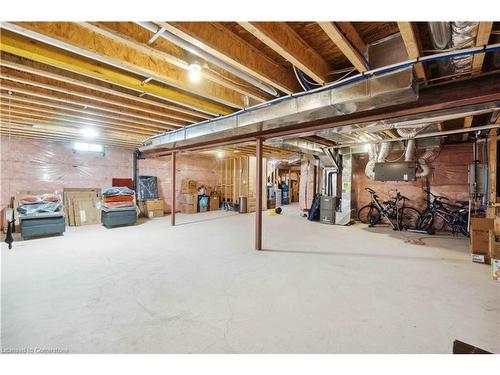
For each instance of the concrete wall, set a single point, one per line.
(33, 165)
(448, 177)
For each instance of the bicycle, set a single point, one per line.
(404, 217)
(457, 219)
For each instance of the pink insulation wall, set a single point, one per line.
(204, 170)
(448, 177)
(34, 165)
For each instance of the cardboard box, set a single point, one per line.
(86, 212)
(495, 269)
(73, 212)
(152, 208)
(480, 239)
(494, 248)
(213, 203)
(496, 227)
(188, 198)
(188, 186)
(186, 208)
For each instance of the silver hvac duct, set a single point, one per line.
(453, 35)
(297, 144)
(378, 91)
(206, 56)
(372, 158)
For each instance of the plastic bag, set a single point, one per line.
(39, 208)
(118, 191)
(148, 187)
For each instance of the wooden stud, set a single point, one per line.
(286, 42)
(348, 49)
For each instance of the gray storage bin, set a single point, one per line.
(119, 217)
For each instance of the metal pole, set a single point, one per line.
(258, 194)
(172, 196)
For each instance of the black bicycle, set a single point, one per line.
(441, 215)
(395, 211)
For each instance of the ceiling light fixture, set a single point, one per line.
(89, 132)
(220, 154)
(194, 72)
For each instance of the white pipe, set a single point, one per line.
(206, 56)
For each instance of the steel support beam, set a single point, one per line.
(258, 193)
(172, 196)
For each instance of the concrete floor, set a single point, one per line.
(201, 288)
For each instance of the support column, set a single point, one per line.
(492, 173)
(258, 194)
(172, 197)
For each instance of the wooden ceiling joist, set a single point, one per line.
(7, 107)
(53, 96)
(176, 61)
(345, 45)
(286, 42)
(133, 102)
(32, 118)
(217, 40)
(483, 35)
(409, 33)
(58, 109)
(9, 127)
(47, 54)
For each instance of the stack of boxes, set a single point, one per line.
(149, 202)
(188, 198)
(485, 243)
(494, 242)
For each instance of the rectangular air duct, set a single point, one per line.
(366, 94)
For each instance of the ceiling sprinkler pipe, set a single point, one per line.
(208, 57)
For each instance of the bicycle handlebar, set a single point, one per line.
(439, 197)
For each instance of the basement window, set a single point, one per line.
(88, 147)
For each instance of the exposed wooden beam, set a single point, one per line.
(345, 45)
(286, 42)
(173, 112)
(14, 88)
(243, 88)
(47, 54)
(230, 48)
(483, 35)
(467, 124)
(411, 40)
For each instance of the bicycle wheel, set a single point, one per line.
(425, 221)
(408, 218)
(367, 213)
